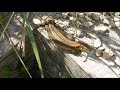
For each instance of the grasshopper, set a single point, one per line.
(55, 34)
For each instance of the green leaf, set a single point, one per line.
(33, 43)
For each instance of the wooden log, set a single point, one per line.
(58, 62)
(55, 63)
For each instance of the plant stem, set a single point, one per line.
(6, 26)
(76, 24)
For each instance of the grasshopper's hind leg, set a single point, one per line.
(88, 54)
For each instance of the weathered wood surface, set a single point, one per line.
(55, 63)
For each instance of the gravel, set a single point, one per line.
(94, 26)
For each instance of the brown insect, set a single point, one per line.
(60, 39)
(55, 34)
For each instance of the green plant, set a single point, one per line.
(66, 75)
(76, 24)
(4, 31)
(6, 71)
(29, 29)
(22, 72)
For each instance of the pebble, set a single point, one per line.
(116, 19)
(86, 40)
(92, 35)
(65, 15)
(71, 30)
(63, 27)
(62, 24)
(72, 18)
(50, 14)
(79, 33)
(20, 18)
(72, 13)
(58, 15)
(36, 21)
(74, 24)
(104, 13)
(112, 24)
(97, 43)
(88, 13)
(98, 52)
(70, 36)
(87, 24)
(111, 63)
(104, 19)
(117, 14)
(115, 35)
(104, 46)
(81, 20)
(110, 53)
(114, 46)
(66, 23)
(81, 15)
(101, 48)
(44, 17)
(107, 54)
(58, 21)
(117, 24)
(100, 28)
(95, 16)
(97, 13)
(117, 61)
(87, 18)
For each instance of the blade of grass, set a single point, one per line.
(33, 43)
(76, 24)
(6, 26)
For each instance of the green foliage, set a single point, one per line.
(6, 71)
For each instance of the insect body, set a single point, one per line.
(55, 34)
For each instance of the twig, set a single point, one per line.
(6, 26)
